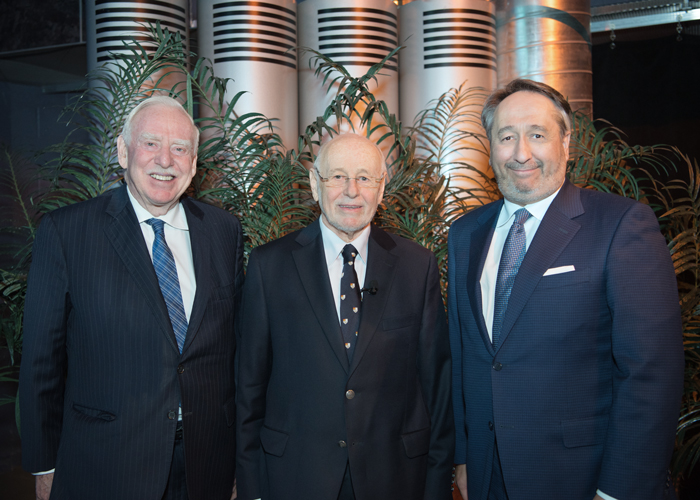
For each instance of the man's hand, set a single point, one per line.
(234, 493)
(461, 479)
(598, 497)
(43, 486)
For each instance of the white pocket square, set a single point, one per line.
(558, 270)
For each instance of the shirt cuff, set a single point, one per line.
(43, 473)
(604, 496)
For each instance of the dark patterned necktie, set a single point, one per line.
(350, 300)
(511, 258)
(164, 264)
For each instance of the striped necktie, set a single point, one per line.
(511, 258)
(164, 264)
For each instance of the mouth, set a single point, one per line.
(522, 168)
(350, 207)
(159, 177)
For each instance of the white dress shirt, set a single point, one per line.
(333, 247)
(493, 258)
(177, 236)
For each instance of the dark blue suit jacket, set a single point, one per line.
(584, 390)
(101, 375)
(297, 427)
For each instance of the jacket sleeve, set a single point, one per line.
(254, 364)
(435, 373)
(647, 351)
(42, 371)
(460, 456)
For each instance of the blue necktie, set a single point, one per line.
(164, 264)
(511, 258)
(350, 299)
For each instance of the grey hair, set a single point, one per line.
(523, 85)
(323, 152)
(159, 100)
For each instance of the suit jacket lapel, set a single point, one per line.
(479, 249)
(201, 247)
(310, 260)
(125, 235)
(555, 232)
(381, 268)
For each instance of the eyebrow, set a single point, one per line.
(511, 128)
(153, 137)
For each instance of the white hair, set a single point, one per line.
(159, 100)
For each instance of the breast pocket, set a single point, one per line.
(397, 322)
(565, 279)
(223, 292)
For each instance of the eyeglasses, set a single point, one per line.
(362, 181)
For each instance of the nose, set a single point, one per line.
(164, 158)
(523, 152)
(350, 189)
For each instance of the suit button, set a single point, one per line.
(180, 369)
(342, 444)
(497, 366)
(172, 414)
(350, 394)
(490, 426)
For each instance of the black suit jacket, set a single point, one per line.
(584, 389)
(298, 425)
(101, 375)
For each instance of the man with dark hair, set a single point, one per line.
(126, 383)
(344, 388)
(564, 325)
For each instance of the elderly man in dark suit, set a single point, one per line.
(127, 376)
(344, 370)
(564, 325)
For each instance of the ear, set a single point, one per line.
(194, 165)
(565, 143)
(122, 151)
(313, 181)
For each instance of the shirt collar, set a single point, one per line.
(537, 209)
(333, 244)
(175, 217)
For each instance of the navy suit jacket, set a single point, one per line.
(297, 427)
(101, 375)
(584, 390)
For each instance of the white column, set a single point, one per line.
(354, 33)
(254, 44)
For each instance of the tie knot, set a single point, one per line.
(349, 253)
(521, 216)
(157, 225)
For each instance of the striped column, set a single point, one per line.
(110, 23)
(354, 33)
(113, 22)
(254, 44)
(449, 43)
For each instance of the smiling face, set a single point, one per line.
(349, 209)
(160, 158)
(528, 151)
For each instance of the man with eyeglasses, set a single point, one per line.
(344, 374)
